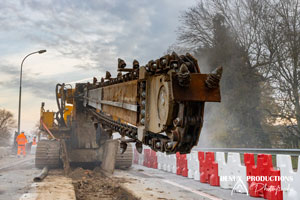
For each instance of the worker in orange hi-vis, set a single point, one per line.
(21, 140)
(34, 141)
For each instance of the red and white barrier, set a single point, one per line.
(141, 158)
(254, 179)
(232, 172)
(181, 164)
(135, 156)
(150, 159)
(193, 166)
(263, 187)
(290, 188)
(171, 163)
(165, 163)
(160, 159)
(208, 168)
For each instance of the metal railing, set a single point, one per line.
(292, 152)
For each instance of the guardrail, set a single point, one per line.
(292, 152)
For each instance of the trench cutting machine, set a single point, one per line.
(160, 105)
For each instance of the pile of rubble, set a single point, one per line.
(92, 185)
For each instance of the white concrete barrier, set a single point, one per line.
(196, 165)
(169, 164)
(190, 166)
(165, 162)
(193, 166)
(160, 160)
(141, 158)
(232, 174)
(290, 188)
(172, 162)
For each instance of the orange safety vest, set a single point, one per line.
(21, 139)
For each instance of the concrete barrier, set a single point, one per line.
(290, 188)
(232, 172)
(193, 166)
(238, 175)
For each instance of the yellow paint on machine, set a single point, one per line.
(68, 112)
(48, 118)
(124, 93)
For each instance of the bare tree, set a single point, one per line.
(268, 33)
(246, 20)
(282, 44)
(7, 122)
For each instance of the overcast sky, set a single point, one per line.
(83, 39)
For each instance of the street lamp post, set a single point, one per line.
(20, 90)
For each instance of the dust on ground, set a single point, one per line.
(93, 184)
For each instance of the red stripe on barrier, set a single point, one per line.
(178, 164)
(153, 159)
(258, 187)
(208, 169)
(146, 157)
(263, 180)
(181, 164)
(135, 156)
(150, 158)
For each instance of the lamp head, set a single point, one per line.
(42, 51)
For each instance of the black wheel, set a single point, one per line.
(47, 154)
(124, 161)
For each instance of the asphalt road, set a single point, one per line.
(149, 183)
(16, 175)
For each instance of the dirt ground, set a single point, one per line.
(92, 185)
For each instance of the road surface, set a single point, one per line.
(148, 183)
(16, 175)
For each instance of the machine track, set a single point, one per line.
(48, 154)
(124, 161)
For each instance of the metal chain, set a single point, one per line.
(174, 62)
